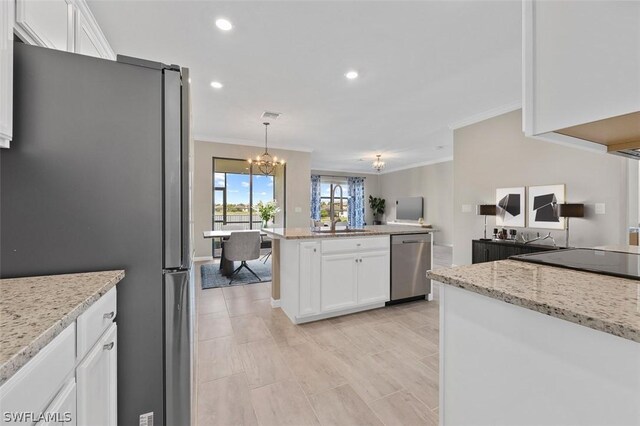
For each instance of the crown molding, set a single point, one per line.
(414, 165)
(248, 142)
(486, 115)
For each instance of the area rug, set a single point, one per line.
(212, 274)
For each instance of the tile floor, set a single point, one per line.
(254, 366)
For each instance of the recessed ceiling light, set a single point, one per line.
(216, 85)
(224, 24)
(351, 75)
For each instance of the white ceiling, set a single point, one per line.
(423, 66)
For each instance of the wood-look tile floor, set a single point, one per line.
(255, 367)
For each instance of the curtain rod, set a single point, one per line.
(334, 176)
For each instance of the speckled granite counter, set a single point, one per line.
(307, 233)
(34, 310)
(601, 302)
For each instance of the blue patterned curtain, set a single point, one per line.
(315, 197)
(356, 202)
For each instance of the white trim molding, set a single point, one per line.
(513, 106)
(275, 303)
(414, 165)
(95, 34)
(247, 142)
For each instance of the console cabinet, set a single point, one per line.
(490, 251)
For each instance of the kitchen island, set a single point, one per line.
(323, 274)
(522, 343)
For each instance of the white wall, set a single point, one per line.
(495, 154)
(370, 187)
(297, 185)
(432, 182)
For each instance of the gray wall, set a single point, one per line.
(297, 185)
(432, 182)
(370, 187)
(495, 153)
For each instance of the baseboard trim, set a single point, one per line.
(202, 258)
(275, 303)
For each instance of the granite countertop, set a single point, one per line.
(600, 302)
(308, 234)
(34, 310)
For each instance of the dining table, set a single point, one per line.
(227, 266)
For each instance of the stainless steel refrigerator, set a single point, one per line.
(97, 178)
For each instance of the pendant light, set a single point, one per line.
(266, 163)
(378, 164)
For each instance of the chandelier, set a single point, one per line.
(378, 164)
(266, 163)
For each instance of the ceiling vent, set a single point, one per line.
(267, 115)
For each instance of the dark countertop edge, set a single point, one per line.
(604, 326)
(325, 235)
(12, 365)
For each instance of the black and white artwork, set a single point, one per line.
(510, 210)
(543, 206)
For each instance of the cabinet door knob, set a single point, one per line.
(108, 347)
(314, 250)
(109, 315)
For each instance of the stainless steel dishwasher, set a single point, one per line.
(410, 260)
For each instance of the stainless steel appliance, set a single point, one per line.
(96, 179)
(617, 264)
(411, 258)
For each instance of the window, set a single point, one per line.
(237, 191)
(325, 198)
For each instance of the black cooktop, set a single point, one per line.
(618, 264)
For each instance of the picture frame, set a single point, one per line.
(543, 207)
(510, 207)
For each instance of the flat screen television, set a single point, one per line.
(409, 208)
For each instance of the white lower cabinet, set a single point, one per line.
(63, 408)
(97, 386)
(309, 297)
(63, 386)
(325, 278)
(339, 281)
(373, 277)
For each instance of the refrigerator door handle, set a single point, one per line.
(186, 145)
(178, 336)
(172, 170)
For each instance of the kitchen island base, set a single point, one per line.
(502, 364)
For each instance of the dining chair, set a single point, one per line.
(242, 246)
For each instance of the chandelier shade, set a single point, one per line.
(378, 164)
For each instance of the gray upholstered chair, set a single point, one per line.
(242, 246)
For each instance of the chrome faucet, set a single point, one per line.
(332, 212)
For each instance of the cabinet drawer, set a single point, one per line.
(355, 244)
(35, 385)
(96, 319)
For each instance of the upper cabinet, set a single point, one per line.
(582, 65)
(46, 23)
(65, 25)
(6, 72)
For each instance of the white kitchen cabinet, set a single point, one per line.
(6, 72)
(63, 407)
(581, 63)
(97, 382)
(46, 23)
(373, 277)
(325, 278)
(88, 36)
(339, 281)
(309, 278)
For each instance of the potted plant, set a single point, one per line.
(267, 212)
(377, 205)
